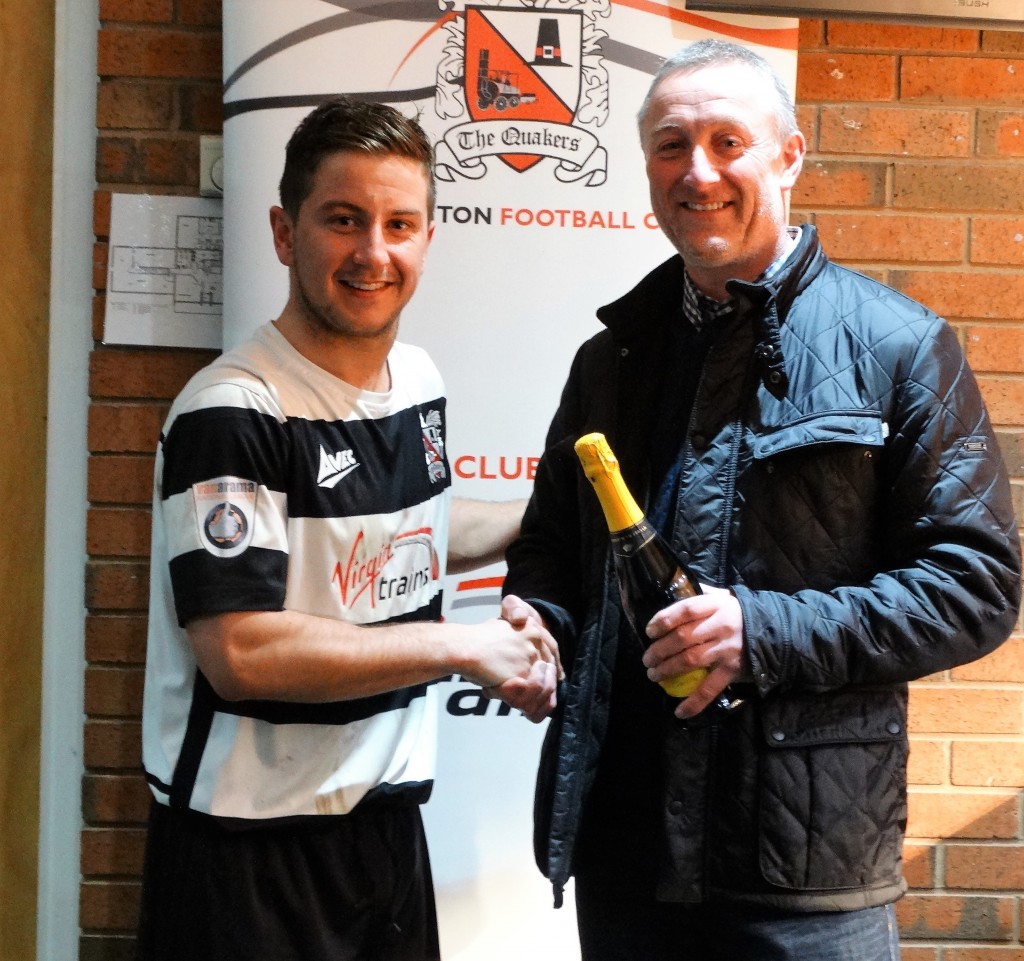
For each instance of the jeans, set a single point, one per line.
(623, 930)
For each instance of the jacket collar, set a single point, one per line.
(656, 299)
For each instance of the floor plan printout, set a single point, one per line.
(165, 271)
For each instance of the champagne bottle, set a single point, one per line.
(650, 574)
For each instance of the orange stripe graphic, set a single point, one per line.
(479, 583)
(422, 40)
(783, 38)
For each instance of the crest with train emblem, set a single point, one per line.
(527, 78)
(432, 427)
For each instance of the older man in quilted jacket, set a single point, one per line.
(815, 445)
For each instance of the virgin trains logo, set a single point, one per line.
(375, 575)
(524, 80)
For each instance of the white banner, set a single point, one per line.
(543, 215)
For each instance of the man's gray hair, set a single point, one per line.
(717, 53)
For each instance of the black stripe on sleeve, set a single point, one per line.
(255, 580)
(224, 442)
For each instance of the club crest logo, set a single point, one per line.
(226, 526)
(433, 445)
(527, 79)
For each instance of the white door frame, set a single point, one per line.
(63, 664)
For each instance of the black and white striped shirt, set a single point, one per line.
(279, 486)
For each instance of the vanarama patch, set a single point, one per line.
(226, 513)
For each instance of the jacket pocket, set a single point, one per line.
(833, 804)
(805, 495)
(864, 427)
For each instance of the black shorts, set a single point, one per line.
(355, 887)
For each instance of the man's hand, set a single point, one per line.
(534, 694)
(703, 631)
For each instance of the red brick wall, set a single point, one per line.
(159, 65)
(914, 174)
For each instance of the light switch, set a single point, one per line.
(211, 166)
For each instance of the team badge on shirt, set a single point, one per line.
(433, 445)
(226, 514)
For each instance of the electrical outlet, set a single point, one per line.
(211, 166)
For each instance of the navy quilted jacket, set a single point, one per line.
(841, 475)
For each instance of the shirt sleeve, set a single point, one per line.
(222, 465)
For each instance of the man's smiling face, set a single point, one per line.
(357, 247)
(719, 175)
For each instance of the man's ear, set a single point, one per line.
(283, 230)
(793, 151)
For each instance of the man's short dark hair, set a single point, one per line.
(346, 123)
